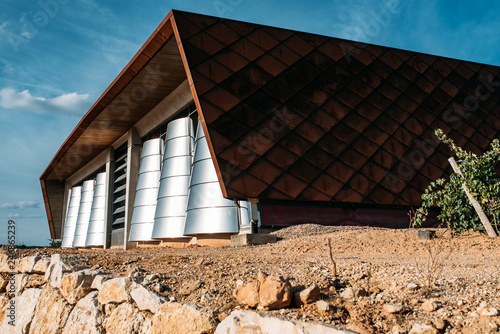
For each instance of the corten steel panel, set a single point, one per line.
(299, 116)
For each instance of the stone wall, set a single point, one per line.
(56, 294)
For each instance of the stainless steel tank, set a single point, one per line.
(207, 210)
(97, 220)
(170, 215)
(82, 222)
(147, 191)
(71, 217)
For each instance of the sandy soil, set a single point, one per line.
(378, 265)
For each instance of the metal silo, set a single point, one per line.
(170, 215)
(71, 217)
(82, 222)
(147, 191)
(207, 210)
(97, 220)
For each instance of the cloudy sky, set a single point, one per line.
(58, 56)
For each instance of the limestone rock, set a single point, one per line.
(51, 312)
(7, 266)
(307, 296)
(25, 309)
(353, 292)
(439, 324)
(487, 311)
(392, 308)
(323, 306)
(429, 306)
(145, 299)
(3, 284)
(4, 301)
(97, 282)
(248, 294)
(60, 264)
(412, 287)
(275, 292)
(423, 329)
(243, 321)
(173, 318)
(34, 281)
(41, 265)
(115, 290)
(86, 316)
(76, 285)
(189, 287)
(125, 319)
(20, 282)
(26, 264)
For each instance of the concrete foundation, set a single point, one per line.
(252, 239)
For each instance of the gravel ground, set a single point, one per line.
(387, 280)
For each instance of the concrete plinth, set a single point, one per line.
(252, 239)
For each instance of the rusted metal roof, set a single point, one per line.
(296, 116)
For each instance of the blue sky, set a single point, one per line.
(58, 56)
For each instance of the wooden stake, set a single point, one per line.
(482, 216)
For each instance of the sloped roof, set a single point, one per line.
(296, 116)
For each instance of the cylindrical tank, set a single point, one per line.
(170, 215)
(146, 194)
(71, 217)
(207, 210)
(97, 220)
(82, 222)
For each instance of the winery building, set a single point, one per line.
(218, 127)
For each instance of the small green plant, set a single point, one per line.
(55, 243)
(480, 178)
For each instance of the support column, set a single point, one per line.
(108, 220)
(254, 214)
(133, 160)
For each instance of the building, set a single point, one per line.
(305, 128)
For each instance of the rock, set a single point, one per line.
(34, 281)
(125, 319)
(275, 292)
(20, 282)
(396, 329)
(76, 285)
(42, 265)
(429, 306)
(174, 318)
(423, 329)
(248, 294)
(159, 288)
(26, 264)
(392, 308)
(97, 282)
(86, 316)
(323, 306)
(4, 302)
(115, 290)
(206, 298)
(189, 287)
(412, 287)
(307, 296)
(353, 292)
(60, 264)
(145, 299)
(487, 311)
(3, 284)
(7, 266)
(25, 309)
(152, 277)
(439, 324)
(52, 312)
(243, 321)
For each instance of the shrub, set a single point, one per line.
(481, 179)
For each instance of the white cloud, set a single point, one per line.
(2, 28)
(18, 216)
(71, 103)
(21, 205)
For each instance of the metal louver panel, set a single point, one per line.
(82, 223)
(71, 217)
(96, 230)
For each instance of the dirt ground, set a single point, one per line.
(459, 275)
